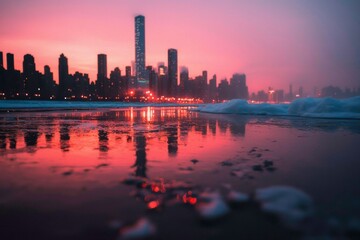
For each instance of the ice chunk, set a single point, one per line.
(141, 229)
(354, 225)
(213, 210)
(290, 204)
(214, 207)
(238, 197)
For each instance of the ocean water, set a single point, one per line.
(174, 172)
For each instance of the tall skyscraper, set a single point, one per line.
(184, 82)
(212, 88)
(238, 86)
(10, 62)
(63, 76)
(173, 72)
(140, 49)
(28, 65)
(29, 73)
(102, 83)
(1, 60)
(102, 66)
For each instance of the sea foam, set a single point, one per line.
(303, 107)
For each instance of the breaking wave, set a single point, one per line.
(304, 107)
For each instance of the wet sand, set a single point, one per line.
(88, 174)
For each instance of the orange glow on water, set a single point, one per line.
(158, 187)
(188, 198)
(153, 204)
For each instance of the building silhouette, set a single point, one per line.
(213, 89)
(1, 60)
(184, 82)
(140, 51)
(10, 62)
(30, 77)
(238, 88)
(63, 77)
(116, 88)
(102, 83)
(172, 72)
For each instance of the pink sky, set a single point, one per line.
(275, 43)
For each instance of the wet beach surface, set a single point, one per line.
(173, 173)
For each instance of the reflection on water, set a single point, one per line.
(48, 156)
(129, 124)
(140, 162)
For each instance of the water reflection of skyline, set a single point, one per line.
(133, 124)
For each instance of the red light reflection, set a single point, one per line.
(188, 198)
(153, 204)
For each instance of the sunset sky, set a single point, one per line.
(274, 42)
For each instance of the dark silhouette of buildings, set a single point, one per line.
(63, 78)
(102, 83)
(140, 162)
(224, 90)
(140, 50)
(1, 60)
(162, 80)
(10, 62)
(173, 72)
(238, 88)
(184, 82)
(213, 96)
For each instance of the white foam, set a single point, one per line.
(214, 208)
(141, 229)
(304, 107)
(237, 197)
(290, 204)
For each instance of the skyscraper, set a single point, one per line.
(184, 82)
(102, 85)
(1, 60)
(10, 62)
(102, 66)
(140, 49)
(238, 86)
(63, 76)
(29, 73)
(173, 72)
(28, 65)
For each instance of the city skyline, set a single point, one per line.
(286, 42)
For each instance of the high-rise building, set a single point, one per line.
(128, 78)
(238, 87)
(173, 72)
(184, 82)
(102, 85)
(162, 80)
(29, 74)
(1, 60)
(10, 62)
(48, 84)
(116, 90)
(213, 89)
(102, 66)
(140, 49)
(28, 65)
(63, 76)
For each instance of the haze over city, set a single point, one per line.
(305, 43)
